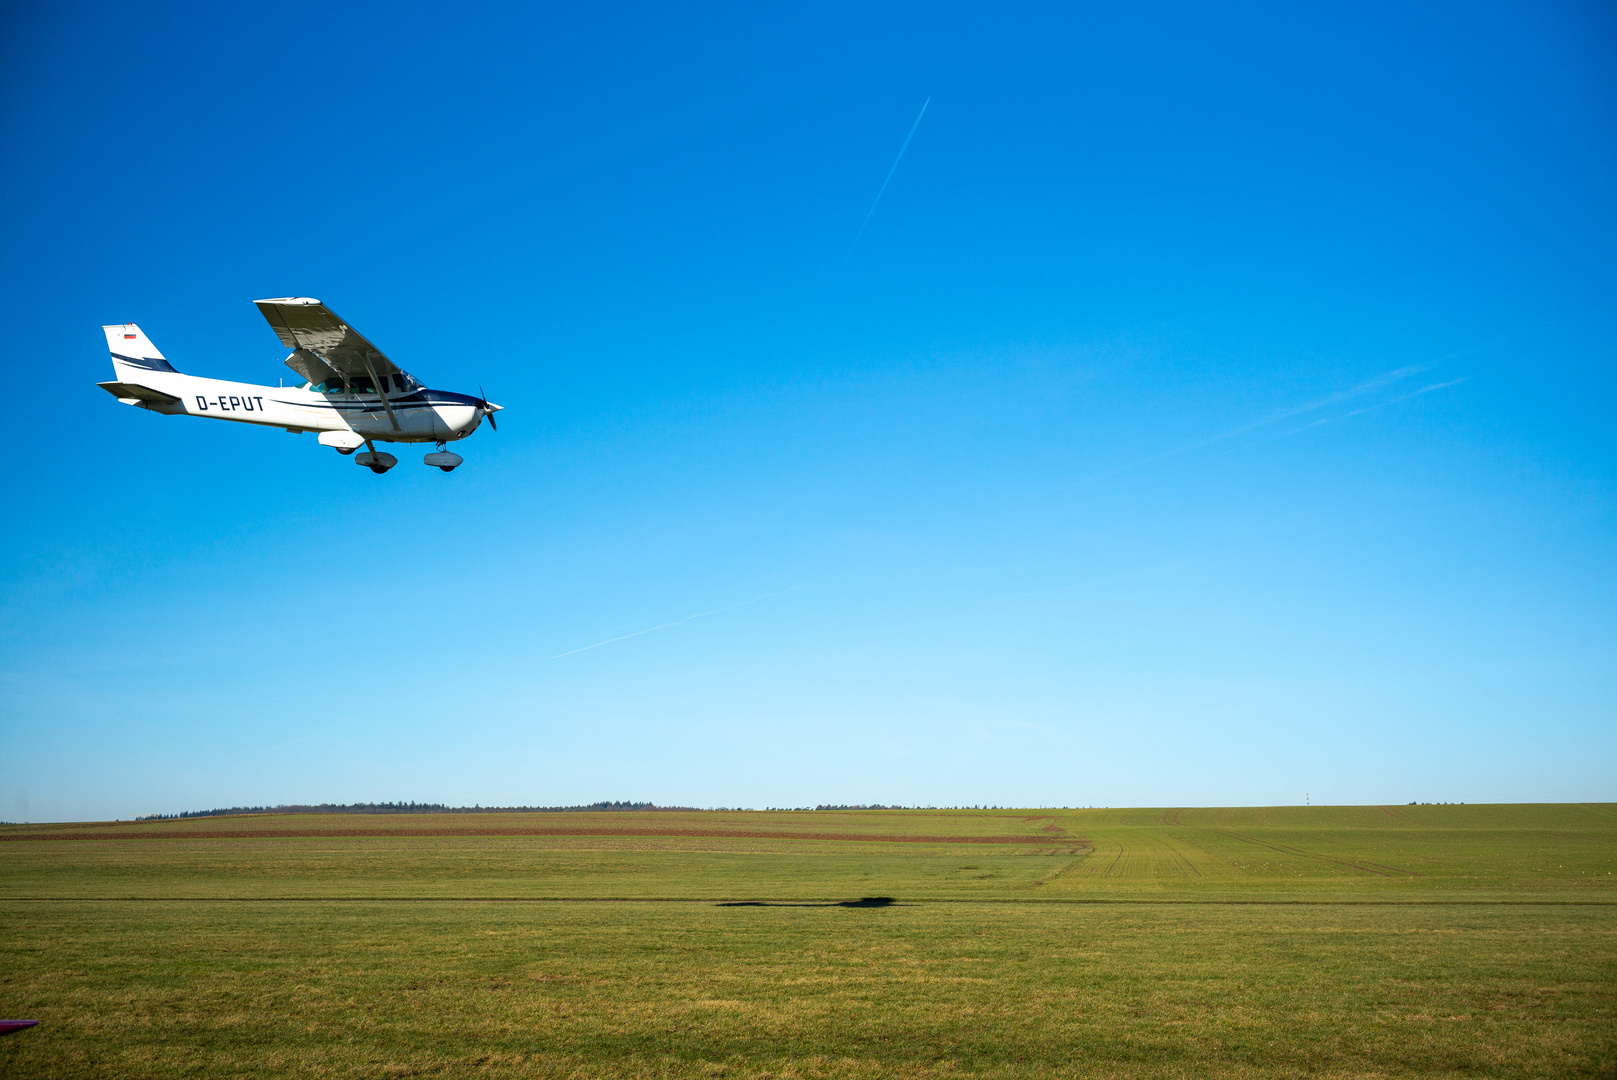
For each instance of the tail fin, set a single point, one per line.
(130, 347)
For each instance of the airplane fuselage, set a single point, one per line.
(422, 415)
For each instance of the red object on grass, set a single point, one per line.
(8, 1026)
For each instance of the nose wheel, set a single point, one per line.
(443, 459)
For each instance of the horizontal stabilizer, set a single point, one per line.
(125, 391)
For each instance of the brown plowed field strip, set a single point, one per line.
(749, 834)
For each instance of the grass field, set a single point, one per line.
(1333, 942)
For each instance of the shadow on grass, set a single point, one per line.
(863, 901)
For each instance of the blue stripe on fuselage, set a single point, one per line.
(152, 363)
(421, 399)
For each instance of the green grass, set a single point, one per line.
(1331, 942)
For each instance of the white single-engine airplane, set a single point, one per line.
(352, 394)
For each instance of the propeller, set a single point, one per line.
(487, 407)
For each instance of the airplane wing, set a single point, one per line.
(308, 325)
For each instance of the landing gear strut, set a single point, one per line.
(443, 459)
(375, 460)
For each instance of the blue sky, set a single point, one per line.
(1217, 409)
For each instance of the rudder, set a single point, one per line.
(130, 347)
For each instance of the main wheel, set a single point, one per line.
(378, 469)
(346, 450)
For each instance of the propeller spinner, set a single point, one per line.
(487, 408)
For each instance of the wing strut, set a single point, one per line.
(381, 392)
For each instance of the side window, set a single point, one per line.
(330, 386)
(400, 385)
(361, 384)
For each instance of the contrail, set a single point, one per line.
(1322, 421)
(1406, 397)
(1337, 398)
(676, 622)
(292, 742)
(889, 179)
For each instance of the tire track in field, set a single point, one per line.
(1169, 844)
(1051, 878)
(1113, 864)
(1217, 861)
(1369, 868)
(1142, 848)
(1171, 817)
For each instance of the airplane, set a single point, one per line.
(351, 394)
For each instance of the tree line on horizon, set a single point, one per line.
(442, 808)
(401, 808)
